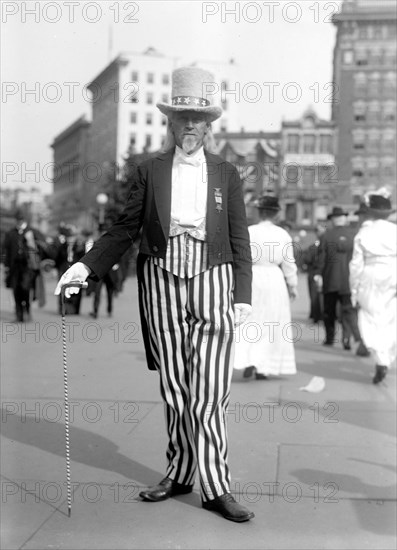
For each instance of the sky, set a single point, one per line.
(47, 45)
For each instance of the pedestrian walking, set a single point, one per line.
(335, 253)
(194, 280)
(263, 345)
(310, 266)
(24, 247)
(373, 281)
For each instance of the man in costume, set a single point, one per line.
(194, 277)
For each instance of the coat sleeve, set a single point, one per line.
(239, 241)
(109, 249)
(356, 265)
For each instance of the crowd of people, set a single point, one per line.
(28, 255)
(199, 269)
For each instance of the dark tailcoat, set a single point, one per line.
(149, 207)
(335, 253)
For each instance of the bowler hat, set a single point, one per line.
(267, 202)
(336, 211)
(187, 93)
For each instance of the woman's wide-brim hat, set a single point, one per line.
(189, 85)
(337, 211)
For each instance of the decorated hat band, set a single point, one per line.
(190, 100)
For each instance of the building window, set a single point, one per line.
(290, 212)
(389, 82)
(164, 98)
(348, 57)
(134, 98)
(359, 109)
(132, 139)
(361, 57)
(373, 139)
(378, 33)
(363, 31)
(389, 140)
(133, 117)
(374, 84)
(372, 170)
(223, 127)
(166, 79)
(149, 118)
(148, 141)
(358, 139)
(150, 78)
(149, 98)
(389, 111)
(376, 57)
(373, 112)
(164, 121)
(309, 143)
(293, 143)
(134, 76)
(360, 82)
(292, 174)
(358, 167)
(389, 58)
(326, 143)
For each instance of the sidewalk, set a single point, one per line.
(318, 470)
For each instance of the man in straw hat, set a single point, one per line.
(194, 278)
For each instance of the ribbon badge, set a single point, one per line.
(218, 198)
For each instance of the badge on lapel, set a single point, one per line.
(218, 198)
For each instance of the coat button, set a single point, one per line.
(155, 248)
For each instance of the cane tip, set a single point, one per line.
(69, 511)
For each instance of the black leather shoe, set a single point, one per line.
(165, 489)
(228, 508)
(260, 376)
(328, 343)
(346, 344)
(362, 350)
(380, 373)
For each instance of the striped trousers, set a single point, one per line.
(191, 323)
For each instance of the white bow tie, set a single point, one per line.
(182, 158)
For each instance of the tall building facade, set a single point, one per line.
(308, 173)
(364, 110)
(73, 174)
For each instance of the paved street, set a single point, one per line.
(318, 469)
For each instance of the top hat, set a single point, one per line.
(336, 211)
(378, 204)
(187, 93)
(267, 202)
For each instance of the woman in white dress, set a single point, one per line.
(373, 282)
(265, 343)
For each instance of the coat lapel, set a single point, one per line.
(216, 194)
(162, 182)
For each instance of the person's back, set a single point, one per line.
(337, 249)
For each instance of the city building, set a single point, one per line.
(308, 173)
(256, 157)
(364, 110)
(73, 176)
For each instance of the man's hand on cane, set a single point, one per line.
(77, 272)
(241, 313)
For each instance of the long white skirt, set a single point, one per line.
(266, 339)
(377, 314)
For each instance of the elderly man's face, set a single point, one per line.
(189, 129)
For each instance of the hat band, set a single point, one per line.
(190, 100)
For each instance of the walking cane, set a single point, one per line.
(65, 388)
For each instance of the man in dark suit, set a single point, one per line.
(24, 248)
(334, 254)
(194, 277)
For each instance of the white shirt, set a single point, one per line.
(189, 188)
